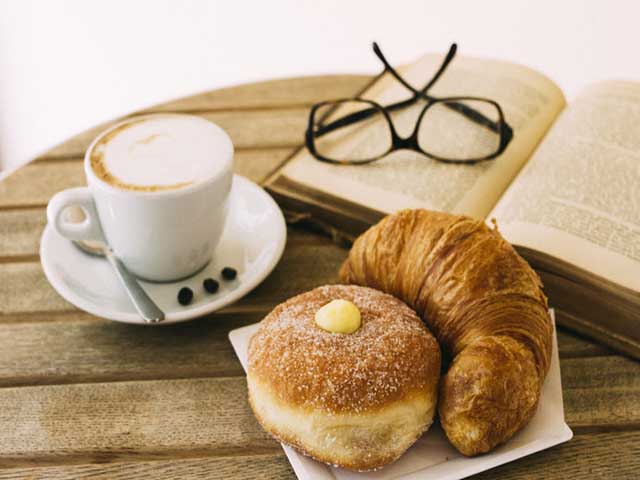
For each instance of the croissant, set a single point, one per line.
(483, 303)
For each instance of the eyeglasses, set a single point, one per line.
(457, 129)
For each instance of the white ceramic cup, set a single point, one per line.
(160, 235)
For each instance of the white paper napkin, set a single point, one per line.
(432, 456)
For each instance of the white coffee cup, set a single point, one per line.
(162, 224)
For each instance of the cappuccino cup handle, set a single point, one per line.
(64, 215)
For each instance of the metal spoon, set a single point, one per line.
(144, 305)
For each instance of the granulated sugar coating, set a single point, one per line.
(306, 366)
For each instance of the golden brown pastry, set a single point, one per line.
(357, 400)
(483, 303)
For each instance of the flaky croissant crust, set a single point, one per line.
(484, 304)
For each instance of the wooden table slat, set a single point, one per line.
(128, 419)
(586, 457)
(80, 349)
(270, 466)
(20, 232)
(604, 456)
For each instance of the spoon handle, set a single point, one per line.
(143, 303)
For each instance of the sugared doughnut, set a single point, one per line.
(356, 400)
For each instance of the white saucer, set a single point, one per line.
(253, 241)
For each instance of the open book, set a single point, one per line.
(566, 192)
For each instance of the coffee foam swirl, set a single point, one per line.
(164, 152)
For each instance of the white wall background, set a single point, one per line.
(67, 65)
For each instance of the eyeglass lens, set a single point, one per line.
(358, 141)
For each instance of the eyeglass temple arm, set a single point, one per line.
(475, 116)
(445, 63)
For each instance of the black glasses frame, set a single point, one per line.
(315, 130)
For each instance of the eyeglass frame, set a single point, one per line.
(500, 126)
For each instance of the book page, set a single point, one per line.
(406, 179)
(578, 198)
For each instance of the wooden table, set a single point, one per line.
(84, 397)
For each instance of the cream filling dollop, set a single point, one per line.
(339, 316)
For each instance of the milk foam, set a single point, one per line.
(162, 152)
